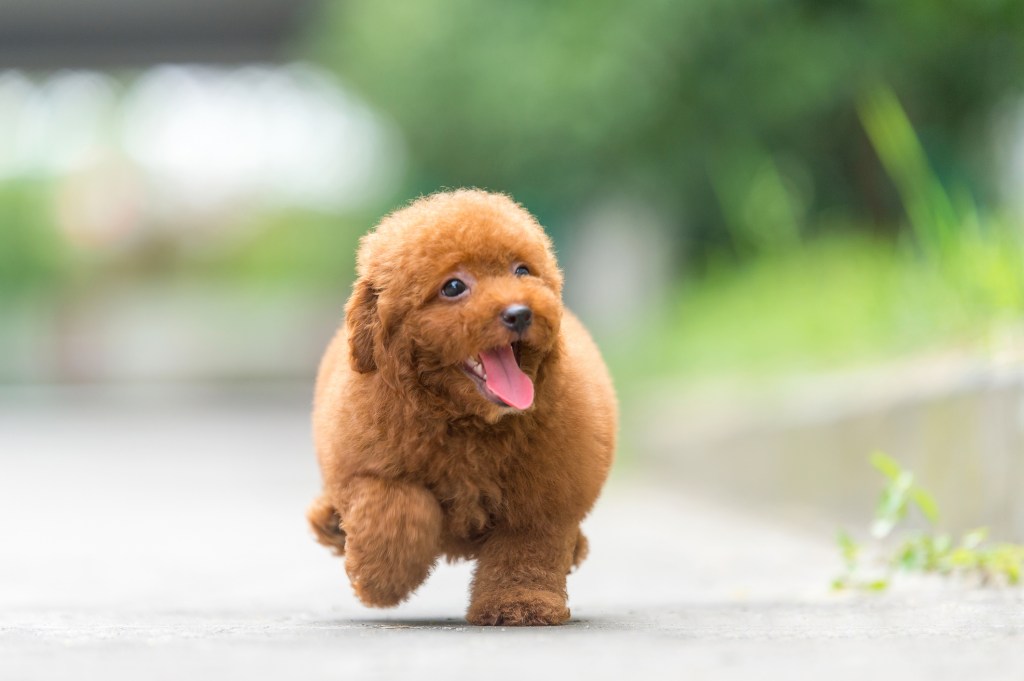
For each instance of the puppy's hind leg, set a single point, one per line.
(394, 539)
(326, 524)
(579, 554)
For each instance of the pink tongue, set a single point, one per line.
(505, 379)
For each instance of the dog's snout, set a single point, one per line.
(517, 317)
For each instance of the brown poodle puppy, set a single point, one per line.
(461, 411)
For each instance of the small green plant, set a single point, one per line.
(928, 551)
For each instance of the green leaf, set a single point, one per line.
(926, 502)
(848, 547)
(892, 506)
(965, 559)
(912, 554)
(886, 465)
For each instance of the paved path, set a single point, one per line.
(144, 538)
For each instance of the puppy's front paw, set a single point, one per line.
(517, 608)
(382, 575)
(380, 594)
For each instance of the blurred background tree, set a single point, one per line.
(736, 119)
(781, 185)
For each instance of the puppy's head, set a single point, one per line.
(458, 299)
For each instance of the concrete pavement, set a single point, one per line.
(163, 537)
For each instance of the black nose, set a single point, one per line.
(517, 317)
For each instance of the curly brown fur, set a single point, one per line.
(418, 459)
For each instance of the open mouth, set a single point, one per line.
(497, 374)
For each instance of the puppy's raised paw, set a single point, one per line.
(519, 608)
(326, 524)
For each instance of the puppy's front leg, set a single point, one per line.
(393, 534)
(520, 578)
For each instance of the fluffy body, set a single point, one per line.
(417, 462)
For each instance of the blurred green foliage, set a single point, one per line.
(32, 254)
(737, 119)
(832, 302)
(284, 246)
(825, 169)
(847, 297)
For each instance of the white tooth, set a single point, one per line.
(476, 367)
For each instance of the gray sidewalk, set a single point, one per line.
(153, 538)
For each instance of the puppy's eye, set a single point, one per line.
(453, 288)
(522, 271)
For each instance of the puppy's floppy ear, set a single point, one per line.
(364, 326)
